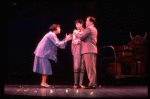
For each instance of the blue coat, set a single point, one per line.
(47, 47)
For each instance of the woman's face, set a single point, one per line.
(78, 26)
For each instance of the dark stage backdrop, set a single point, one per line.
(26, 22)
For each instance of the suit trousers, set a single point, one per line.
(90, 63)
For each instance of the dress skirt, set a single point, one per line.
(42, 66)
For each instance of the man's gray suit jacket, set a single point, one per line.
(89, 40)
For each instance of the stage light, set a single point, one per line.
(91, 93)
(51, 91)
(77, 91)
(66, 90)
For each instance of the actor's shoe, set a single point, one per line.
(75, 86)
(82, 86)
(45, 85)
(90, 87)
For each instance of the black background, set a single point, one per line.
(26, 22)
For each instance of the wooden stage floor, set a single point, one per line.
(67, 91)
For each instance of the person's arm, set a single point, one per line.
(68, 37)
(84, 35)
(55, 40)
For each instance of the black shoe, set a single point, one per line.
(90, 87)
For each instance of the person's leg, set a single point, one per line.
(77, 62)
(82, 70)
(90, 62)
(43, 83)
(44, 78)
(76, 71)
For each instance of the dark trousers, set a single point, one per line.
(90, 63)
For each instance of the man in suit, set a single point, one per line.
(89, 50)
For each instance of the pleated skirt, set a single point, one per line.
(42, 66)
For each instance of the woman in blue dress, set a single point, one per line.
(46, 51)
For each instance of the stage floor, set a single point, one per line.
(67, 91)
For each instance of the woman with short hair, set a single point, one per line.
(46, 52)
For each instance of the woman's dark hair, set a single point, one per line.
(54, 27)
(91, 19)
(79, 21)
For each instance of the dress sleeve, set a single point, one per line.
(56, 41)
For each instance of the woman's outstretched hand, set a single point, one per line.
(68, 37)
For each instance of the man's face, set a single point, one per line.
(88, 22)
(58, 30)
(78, 25)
